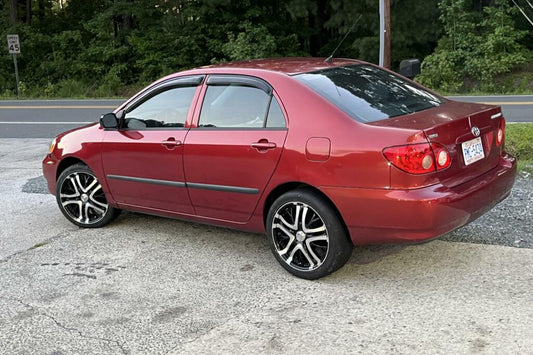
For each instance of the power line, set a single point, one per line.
(522, 11)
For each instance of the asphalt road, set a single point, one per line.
(150, 285)
(47, 118)
(516, 108)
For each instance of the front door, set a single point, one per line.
(143, 161)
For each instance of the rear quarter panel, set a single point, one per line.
(356, 158)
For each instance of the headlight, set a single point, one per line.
(52, 146)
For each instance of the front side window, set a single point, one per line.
(239, 106)
(164, 110)
(369, 94)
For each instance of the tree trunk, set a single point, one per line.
(40, 9)
(13, 11)
(28, 11)
(127, 20)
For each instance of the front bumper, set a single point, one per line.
(49, 171)
(377, 216)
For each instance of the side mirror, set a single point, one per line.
(109, 121)
(410, 68)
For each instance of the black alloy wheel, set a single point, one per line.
(81, 199)
(306, 235)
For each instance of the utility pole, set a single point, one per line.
(384, 34)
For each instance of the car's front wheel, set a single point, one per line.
(306, 235)
(81, 199)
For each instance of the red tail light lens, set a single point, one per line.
(418, 158)
(500, 136)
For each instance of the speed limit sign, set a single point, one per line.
(13, 44)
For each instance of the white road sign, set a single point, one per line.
(13, 44)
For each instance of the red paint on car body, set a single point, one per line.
(229, 175)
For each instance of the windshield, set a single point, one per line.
(368, 93)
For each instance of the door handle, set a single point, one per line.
(264, 145)
(171, 143)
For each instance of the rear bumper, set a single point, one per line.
(375, 216)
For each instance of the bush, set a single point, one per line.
(476, 46)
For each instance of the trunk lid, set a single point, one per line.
(453, 125)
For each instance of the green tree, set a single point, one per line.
(477, 44)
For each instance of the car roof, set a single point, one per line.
(290, 66)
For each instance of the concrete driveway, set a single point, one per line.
(149, 285)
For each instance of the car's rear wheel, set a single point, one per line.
(306, 235)
(81, 199)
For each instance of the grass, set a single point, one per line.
(519, 142)
(38, 245)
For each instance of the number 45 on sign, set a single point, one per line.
(13, 44)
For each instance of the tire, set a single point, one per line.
(306, 234)
(81, 199)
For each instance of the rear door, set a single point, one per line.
(232, 152)
(143, 160)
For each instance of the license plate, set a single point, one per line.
(473, 151)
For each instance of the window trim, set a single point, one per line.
(187, 81)
(241, 80)
(193, 80)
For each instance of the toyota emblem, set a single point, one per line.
(475, 131)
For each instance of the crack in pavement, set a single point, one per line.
(200, 334)
(123, 350)
(46, 241)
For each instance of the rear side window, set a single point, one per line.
(238, 106)
(369, 94)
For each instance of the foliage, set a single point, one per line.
(251, 42)
(477, 45)
(414, 29)
(519, 142)
(102, 47)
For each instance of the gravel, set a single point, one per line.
(35, 186)
(509, 223)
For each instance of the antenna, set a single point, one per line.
(330, 58)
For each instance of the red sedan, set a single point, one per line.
(320, 155)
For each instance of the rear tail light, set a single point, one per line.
(418, 158)
(500, 136)
(443, 157)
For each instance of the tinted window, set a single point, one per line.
(369, 94)
(234, 106)
(275, 117)
(166, 109)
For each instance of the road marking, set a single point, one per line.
(20, 122)
(52, 107)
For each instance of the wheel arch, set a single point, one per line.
(289, 186)
(65, 163)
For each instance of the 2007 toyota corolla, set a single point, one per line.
(320, 155)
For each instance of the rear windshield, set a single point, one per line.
(369, 94)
